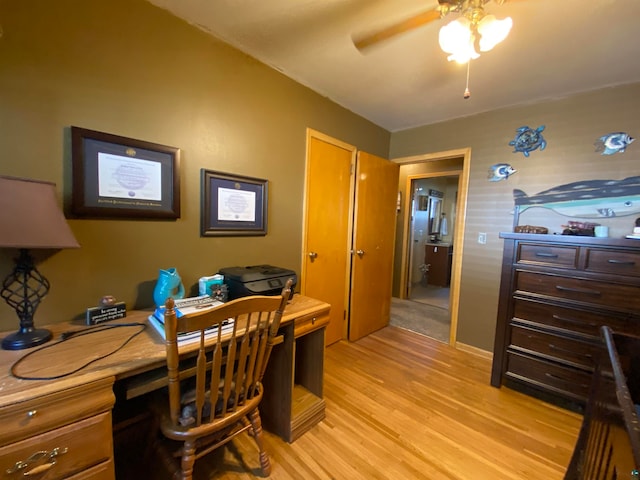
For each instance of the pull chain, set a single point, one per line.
(467, 93)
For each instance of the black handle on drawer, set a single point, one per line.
(621, 262)
(574, 321)
(587, 291)
(571, 352)
(546, 255)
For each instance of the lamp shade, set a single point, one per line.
(492, 31)
(456, 38)
(30, 216)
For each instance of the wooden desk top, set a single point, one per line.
(145, 352)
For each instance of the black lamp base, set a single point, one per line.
(26, 339)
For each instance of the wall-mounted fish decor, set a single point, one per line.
(527, 140)
(500, 171)
(586, 199)
(613, 142)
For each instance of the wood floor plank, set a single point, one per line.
(403, 406)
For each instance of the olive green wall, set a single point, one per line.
(572, 126)
(128, 68)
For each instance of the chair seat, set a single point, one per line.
(184, 432)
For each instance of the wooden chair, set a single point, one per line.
(608, 446)
(215, 396)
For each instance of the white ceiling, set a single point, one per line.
(556, 48)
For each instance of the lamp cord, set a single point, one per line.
(78, 333)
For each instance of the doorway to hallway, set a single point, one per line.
(430, 232)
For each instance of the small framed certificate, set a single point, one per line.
(119, 177)
(232, 205)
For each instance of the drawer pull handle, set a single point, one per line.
(32, 413)
(621, 262)
(555, 377)
(573, 320)
(36, 457)
(39, 469)
(566, 350)
(586, 291)
(546, 255)
(313, 321)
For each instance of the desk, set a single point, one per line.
(70, 418)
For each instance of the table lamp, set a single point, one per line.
(30, 217)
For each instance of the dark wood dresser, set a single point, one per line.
(556, 292)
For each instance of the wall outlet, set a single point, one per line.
(482, 238)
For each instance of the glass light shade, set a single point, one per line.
(457, 38)
(492, 31)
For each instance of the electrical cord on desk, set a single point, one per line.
(78, 333)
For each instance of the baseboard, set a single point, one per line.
(474, 350)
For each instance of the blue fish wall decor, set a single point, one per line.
(527, 140)
(613, 142)
(500, 171)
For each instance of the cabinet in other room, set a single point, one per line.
(438, 258)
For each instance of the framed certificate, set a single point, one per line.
(119, 177)
(232, 205)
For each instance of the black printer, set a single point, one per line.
(257, 280)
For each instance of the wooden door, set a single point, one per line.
(327, 229)
(373, 242)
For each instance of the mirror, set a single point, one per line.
(434, 211)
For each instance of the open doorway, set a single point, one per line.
(431, 185)
(431, 229)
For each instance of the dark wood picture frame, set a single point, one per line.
(120, 177)
(232, 205)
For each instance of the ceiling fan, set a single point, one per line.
(474, 30)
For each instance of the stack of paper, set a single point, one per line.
(185, 306)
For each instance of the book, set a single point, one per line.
(190, 337)
(188, 305)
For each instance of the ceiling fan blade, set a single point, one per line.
(397, 29)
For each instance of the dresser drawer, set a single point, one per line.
(571, 319)
(566, 257)
(569, 382)
(23, 419)
(618, 297)
(75, 448)
(615, 262)
(567, 350)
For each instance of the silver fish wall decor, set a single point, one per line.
(613, 143)
(500, 171)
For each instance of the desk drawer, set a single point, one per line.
(613, 261)
(25, 419)
(570, 383)
(621, 297)
(558, 256)
(75, 448)
(565, 349)
(309, 323)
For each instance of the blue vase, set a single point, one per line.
(169, 284)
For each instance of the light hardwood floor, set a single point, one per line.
(403, 406)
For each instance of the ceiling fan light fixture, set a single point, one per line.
(492, 31)
(457, 39)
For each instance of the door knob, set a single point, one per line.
(313, 256)
(360, 253)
